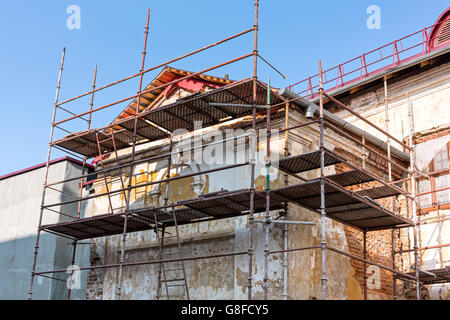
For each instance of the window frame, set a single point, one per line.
(433, 177)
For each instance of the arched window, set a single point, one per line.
(440, 34)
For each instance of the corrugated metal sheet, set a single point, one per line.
(306, 161)
(179, 115)
(358, 209)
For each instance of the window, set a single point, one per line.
(424, 186)
(441, 183)
(439, 171)
(441, 160)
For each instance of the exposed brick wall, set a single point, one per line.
(94, 288)
(379, 243)
(432, 136)
(379, 251)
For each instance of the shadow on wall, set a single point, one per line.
(16, 261)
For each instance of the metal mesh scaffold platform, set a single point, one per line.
(358, 209)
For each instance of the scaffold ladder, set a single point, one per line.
(171, 275)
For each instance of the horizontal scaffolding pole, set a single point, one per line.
(159, 156)
(149, 183)
(295, 249)
(270, 65)
(50, 277)
(61, 213)
(285, 222)
(351, 165)
(424, 248)
(68, 152)
(425, 222)
(434, 191)
(72, 113)
(129, 264)
(65, 193)
(215, 104)
(348, 136)
(373, 204)
(155, 88)
(159, 65)
(371, 262)
(300, 126)
(366, 121)
(62, 129)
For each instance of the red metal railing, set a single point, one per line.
(388, 56)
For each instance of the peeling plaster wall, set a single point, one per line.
(304, 267)
(227, 278)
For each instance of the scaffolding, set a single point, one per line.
(327, 195)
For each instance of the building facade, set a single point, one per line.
(19, 215)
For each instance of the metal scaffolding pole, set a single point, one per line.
(413, 195)
(323, 242)
(268, 220)
(169, 167)
(387, 121)
(286, 207)
(133, 149)
(160, 65)
(91, 105)
(394, 280)
(252, 155)
(161, 273)
(365, 264)
(47, 165)
(388, 143)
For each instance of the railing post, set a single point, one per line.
(309, 88)
(365, 64)
(426, 41)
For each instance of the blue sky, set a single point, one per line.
(294, 35)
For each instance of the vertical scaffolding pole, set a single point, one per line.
(285, 226)
(364, 158)
(169, 167)
(252, 156)
(133, 149)
(412, 156)
(83, 171)
(92, 98)
(323, 243)
(365, 264)
(267, 224)
(47, 165)
(161, 273)
(387, 121)
(388, 143)
(394, 281)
